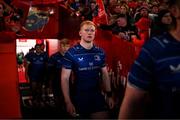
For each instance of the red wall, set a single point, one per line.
(9, 89)
(116, 49)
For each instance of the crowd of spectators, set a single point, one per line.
(10, 17)
(140, 18)
(143, 18)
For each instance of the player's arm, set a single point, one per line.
(132, 105)
(65, 75)
(106, 79)
(107, 86)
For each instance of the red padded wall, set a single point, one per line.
(103, 39)
(10, 98)
(124, 52)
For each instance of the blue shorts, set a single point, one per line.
(90, 102)
(36, 77)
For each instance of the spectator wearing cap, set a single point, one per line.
(143, 22)
(141, 12)
(123, 28)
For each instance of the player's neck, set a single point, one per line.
(37, 53)
(86, 45)
(62, 53)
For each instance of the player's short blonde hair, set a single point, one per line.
(64, 41)
(87, 22)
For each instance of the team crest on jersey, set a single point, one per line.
(97, 58)
(81, 59)
(175, 69)
(91, 64)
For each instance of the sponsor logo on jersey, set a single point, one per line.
(81, 59)
(175, 69)
(97, 58)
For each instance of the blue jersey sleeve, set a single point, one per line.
(51, 61)
(103, 58)
(68, 60)
(46, 57)
(142, 71)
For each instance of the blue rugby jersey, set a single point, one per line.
(157, 70)
(37, 64)
(54, 69)
(158, 62)
(56, 61)
(28, 55)
(86, 65)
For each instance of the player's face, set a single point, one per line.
(87, 33)
(38, 49)
(64, 48)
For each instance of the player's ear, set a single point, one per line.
(80, 33)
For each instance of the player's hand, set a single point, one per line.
(111, 103)
(71, 109)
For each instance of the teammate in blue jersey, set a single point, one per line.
(88, 65)
(153, 88)
(54, 70)
(35, 71)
